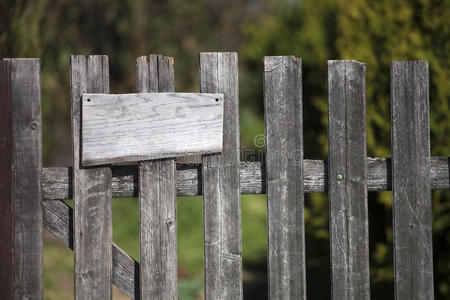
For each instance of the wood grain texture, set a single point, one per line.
(157, 187)
(411, 185)
(145, 126)
(347, 194)
(57, 181)
(58, 219)
(7, 236)
(284, 169)
(27, 162)
(91, 191)
(221, 188)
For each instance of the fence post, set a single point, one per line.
(157, 197)
(284, 168)
(347, 180)
(20, 181)
(91, 191)
(221, 190)
(411, 183)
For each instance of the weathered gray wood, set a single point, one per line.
(27, 190)
(135, 127)
(58, 219)
(57, 181)
(91, 191)
(7, 232)
(411, 185)
(284, 169)
(347, 194)
(221, 190)
(157, 186)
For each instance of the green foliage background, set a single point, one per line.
(373, 32)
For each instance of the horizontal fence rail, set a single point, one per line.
(57, 181)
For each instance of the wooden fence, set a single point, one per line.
(32, 196)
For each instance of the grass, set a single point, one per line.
(58, 260)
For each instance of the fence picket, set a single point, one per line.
(221, 190)
(7, 234)
(157, 197)
(347, 180)
(22, 159)
(411, 185)
(91, 191)
(284, 169)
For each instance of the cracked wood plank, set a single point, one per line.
(411, 185)
(221, 189)
(347, 180)
(157, 189)
(91, 191)
(284, 169)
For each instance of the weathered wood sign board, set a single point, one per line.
(136, 127)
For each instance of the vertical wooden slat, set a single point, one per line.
(349, 232)
(157, 198)
(91, 191)
(284, 173)
(411, 185)
(221, 190)
(27, 168)
(7, 236)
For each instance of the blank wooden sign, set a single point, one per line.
(136, 127)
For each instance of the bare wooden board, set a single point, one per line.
(91, 191)
(221, 189)
(347, 180)
(136, 127)
(411, 184)
(284, 169)
(27, 167)
(157, 198)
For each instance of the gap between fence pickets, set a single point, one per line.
(57, 181)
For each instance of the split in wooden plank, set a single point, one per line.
(145, 126)
(57, 182)
(91, 191)
(284, 169)
(347, 180)
(157, 185)
(221, 189)
(411, 184)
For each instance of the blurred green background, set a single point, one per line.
(373, 32)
